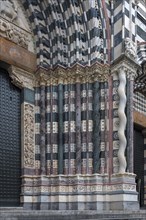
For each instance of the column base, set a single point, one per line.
(81, 192)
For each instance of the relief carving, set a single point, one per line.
(75, 74)
(29, 136)
(13, 33)
(8, 10)
(130, 49)
(12, 24)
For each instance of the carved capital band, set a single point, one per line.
(72, 75)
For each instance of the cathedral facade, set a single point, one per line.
(73, 104)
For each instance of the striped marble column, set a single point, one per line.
(54, 130)
(72, 130)
(37, 130)
(90, 129)
(96, 127)
(60, 127)
(87, 128)
(84, 128)
(42, 129)
(66, 129)
(104, 141)
(48, 128)
(78, 127)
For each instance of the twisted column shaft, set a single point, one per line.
(122, 121)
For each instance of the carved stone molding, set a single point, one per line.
(21, 78)
(28, 129)
(75, 74)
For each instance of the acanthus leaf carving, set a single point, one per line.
(78, 73)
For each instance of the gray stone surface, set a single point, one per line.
(16, 214)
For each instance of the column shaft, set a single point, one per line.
(42, 131)
(122, 121)
(96, 127)
(60, 129)
(78, 128)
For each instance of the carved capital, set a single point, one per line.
(75, 74)
(130, 68)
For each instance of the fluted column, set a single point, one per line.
(122, 120)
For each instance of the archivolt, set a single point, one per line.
(67, 32)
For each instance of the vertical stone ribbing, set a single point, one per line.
(123, 119)
(78, 128)
(72, 118)
(96, 127)
(42, 130)
(60, 128)
(48, 129)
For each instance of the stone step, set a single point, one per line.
(20, 214)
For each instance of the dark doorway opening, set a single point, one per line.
(139, 162)
(10, 142)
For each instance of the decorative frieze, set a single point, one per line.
(14, 33)
(13, 24)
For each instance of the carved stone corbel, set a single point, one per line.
(21, 78)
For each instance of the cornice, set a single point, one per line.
(77, 73)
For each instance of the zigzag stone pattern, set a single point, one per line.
(66, 32)
(123, 120)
